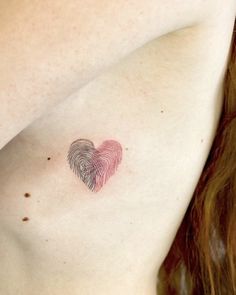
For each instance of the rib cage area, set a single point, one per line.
(94, 166)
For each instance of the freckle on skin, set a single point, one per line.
(27, 195)
(25, 219)
(162, 111)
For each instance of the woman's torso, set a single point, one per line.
(162, 104)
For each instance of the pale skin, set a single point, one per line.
(47, 30)
(160, 101)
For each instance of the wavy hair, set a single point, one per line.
(202, 258)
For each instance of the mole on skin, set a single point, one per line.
(27, 195)
(25, 219)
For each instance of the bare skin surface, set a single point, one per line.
(162, 104)
(50, 48)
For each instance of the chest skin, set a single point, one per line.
(162, 104)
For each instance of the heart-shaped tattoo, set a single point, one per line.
(94, 166)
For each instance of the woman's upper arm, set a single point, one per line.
(50, 48)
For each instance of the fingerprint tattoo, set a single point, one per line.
(94, 166)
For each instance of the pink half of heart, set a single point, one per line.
(105, 160)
